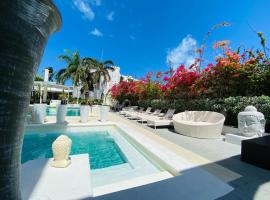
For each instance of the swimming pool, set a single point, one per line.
(112, 157)
(102, 148)
(71, 111)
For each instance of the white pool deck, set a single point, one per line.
(222, 159)
(41, 181)
(190, 180)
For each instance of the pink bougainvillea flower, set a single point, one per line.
(158, 75)
(221, 44)
(166, 78)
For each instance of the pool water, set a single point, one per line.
(51, 111)
(113, 156)
(103, 150)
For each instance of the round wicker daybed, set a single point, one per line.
(199, 124)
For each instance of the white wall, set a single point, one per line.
(115, 79)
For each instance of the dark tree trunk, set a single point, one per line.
(25, 26)
(90, 82)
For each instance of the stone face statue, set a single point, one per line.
(251, 123)
(61, 148)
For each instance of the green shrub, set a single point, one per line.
(230, 106)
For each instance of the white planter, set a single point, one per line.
(84, 113)
(95, 110)
(39, 113)
(104, 112)
(61, 111)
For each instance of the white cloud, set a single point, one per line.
(96, 2)
(110, 16)
(84, 7)
(184, 53)
(96, 32)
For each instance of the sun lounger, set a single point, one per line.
(131, 112)
(128, 109)
(162, 121)
(144, 117)
(135, 115)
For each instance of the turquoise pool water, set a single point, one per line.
(103, 150)
(113, 156)
(51, 111)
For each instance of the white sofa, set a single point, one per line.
(199, 124)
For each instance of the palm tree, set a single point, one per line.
(84, 72)
(101, 74)
(51, 73)
(38, 78)
(72, 71)
(22, 44)
(88, 68)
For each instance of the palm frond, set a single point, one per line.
(108, 62)
(66, 58)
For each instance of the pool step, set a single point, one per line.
(131, 183)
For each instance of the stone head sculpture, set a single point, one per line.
(61, 148)
(251, 123)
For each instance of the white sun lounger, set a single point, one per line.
(162, 121)
(135, 115)
(128, 109)
(159, 122)
(132, 112)
(144, 117)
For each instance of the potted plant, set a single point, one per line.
(104, 110)
(61, 109)
(84, 110)
(39, 109)
(39, 113)
(95, 108)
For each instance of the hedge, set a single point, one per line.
(230, 106)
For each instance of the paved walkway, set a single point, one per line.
(253, 182)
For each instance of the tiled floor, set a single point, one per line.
(253, 182)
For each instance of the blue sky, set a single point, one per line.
(139, 35)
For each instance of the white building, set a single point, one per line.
(46, 87)
(52, 87)
(115, 79)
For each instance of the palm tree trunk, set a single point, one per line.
(24, 29)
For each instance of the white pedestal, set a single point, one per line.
(41, 181)
(236, 138)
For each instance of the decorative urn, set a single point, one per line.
(251, 123)
(61, 148)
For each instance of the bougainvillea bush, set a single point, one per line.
(125, 90)
(180, 84)
(234, 73)
(235, 79)
(143, 89)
